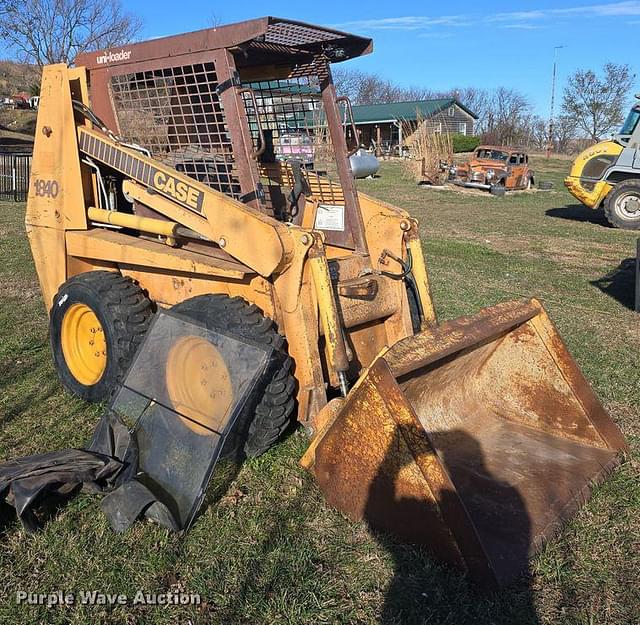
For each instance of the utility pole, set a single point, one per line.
(553, 99)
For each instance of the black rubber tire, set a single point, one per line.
(611, 211)
(124, 312)
(272, 410)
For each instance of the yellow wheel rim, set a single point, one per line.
(83, 344)
(199, 384)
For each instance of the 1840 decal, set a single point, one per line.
(46, 188)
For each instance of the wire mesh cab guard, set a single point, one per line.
(230, 106)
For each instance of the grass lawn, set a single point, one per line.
(270, 551)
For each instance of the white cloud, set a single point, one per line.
(522, 26)
(406, 23)
(432, 35)
(531, 19)
(631, 7)
(515, 15)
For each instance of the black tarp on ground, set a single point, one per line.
(152, 453)
(109, 460)
(108, 465)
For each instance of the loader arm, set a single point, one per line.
(254, 239)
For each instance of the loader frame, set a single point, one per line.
(617, 161)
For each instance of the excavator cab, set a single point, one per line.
(209, 173)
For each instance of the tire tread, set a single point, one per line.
(127, 305)
(273, 413)
(609, 206)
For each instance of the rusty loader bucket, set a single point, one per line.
(476, 438)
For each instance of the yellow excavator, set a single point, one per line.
(608, 175)
(209, 173)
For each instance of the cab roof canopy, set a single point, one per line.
(265, 40)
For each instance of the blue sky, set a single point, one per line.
(440, 45)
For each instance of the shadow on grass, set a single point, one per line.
(422, 591)
(7, 518)
(286, 565)
(28, 400)
(44, 511)
(579, 212)
(36, 394)
(619, 283)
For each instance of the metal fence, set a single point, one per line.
(14, 176)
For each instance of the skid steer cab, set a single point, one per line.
(607, 175)
(209, 173)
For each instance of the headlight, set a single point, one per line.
(490, 174)
(453, 170)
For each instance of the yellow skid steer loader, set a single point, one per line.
(209, 172)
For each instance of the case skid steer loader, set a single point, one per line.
(168, 173)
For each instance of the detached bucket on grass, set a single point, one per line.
(476, 438)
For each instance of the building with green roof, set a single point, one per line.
(385, 126)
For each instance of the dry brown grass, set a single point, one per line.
(428, 151)
(18, 287)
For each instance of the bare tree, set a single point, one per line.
(413, 94)
(538, 133)
(374, 90)
(55, 31)
(598, 103)
(508, 117)
(564, 131)
(346, 81)
(366, 88)
(478, 101)
(214, 21)
(504, 115)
